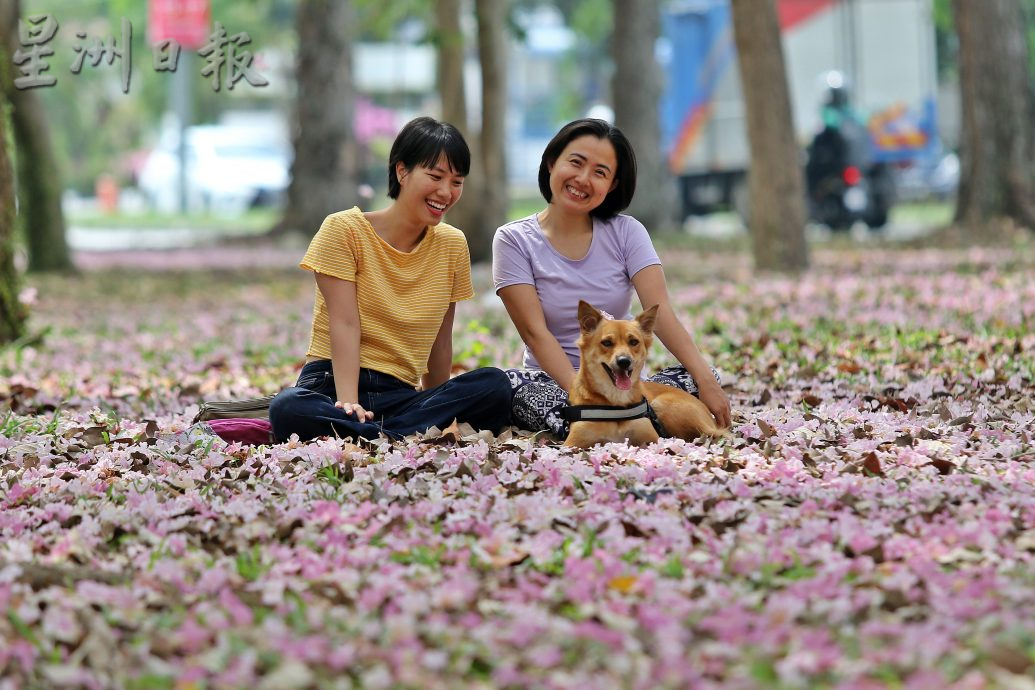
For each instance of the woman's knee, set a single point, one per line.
(497, 379)
(498, 389)
(543, 394)
(490, 380)
(492, 393)
(285, 407)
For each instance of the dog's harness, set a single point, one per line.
(613, 413)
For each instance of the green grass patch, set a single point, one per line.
(928, 213)
(253, 221)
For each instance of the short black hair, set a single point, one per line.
(421, 142)
(619, 198)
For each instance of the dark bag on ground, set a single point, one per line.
(249, 408)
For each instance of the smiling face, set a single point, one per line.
(429, 192)
(614, 350)
(583, 174)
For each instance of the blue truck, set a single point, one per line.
(884, 51)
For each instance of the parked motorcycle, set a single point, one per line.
(844, 184)
(843, 187)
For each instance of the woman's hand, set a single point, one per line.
(714, 398)
(355, 409)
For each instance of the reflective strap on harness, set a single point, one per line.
(605, 413)
(612, 413)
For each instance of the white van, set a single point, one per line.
(230, 168)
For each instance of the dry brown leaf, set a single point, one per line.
(811, 400)
(871, 463)
(767, 429)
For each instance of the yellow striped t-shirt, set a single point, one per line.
(403, 296)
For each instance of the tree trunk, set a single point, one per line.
(39, 183)
(12, 314)
(775, 186)
(997, 144)
(467, 213)
(324, 171)
(492, 54)
(636, 92)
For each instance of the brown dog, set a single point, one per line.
(613, 354)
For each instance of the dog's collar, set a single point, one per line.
(612, 413)
(605, 413)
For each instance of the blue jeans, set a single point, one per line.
(482, 398)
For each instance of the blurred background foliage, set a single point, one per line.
(98, 129)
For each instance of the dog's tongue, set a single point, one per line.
(623, 381)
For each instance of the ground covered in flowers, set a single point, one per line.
(870, 522)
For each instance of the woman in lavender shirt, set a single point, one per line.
(581, 247)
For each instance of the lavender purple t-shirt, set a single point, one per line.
(620, 248)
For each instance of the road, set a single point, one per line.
(727, 225)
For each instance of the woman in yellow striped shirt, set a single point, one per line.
(387, 282)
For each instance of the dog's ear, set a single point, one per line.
(589, 317)
(647, 319)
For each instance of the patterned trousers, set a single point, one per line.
(538, 399)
